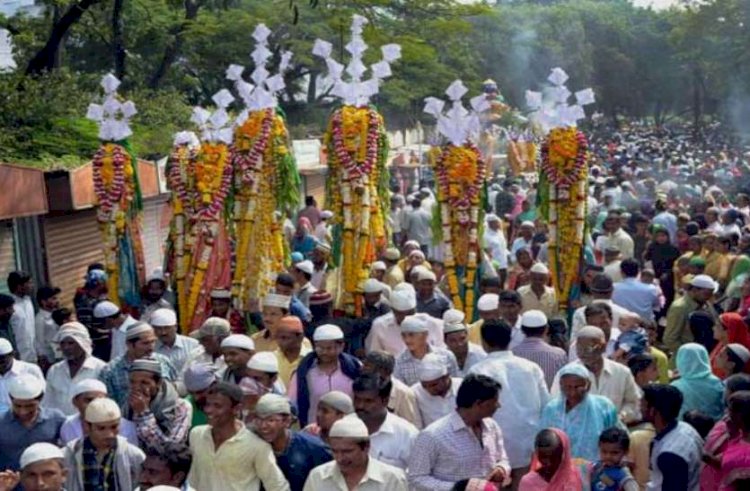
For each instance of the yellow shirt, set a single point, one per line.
(393, 276)
(475, 332)
(286, 367)
(547, 303)
(662, 363)
(264, 342)
(640, 454)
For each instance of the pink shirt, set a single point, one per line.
(319, 384)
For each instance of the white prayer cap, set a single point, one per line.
(417, 253)
(26, 387)
(372, 286)
(265, 361)
(163, 318)
(392, 254)
(102, 410)
(491, 217)
(591, 332)
(221, 294)
(339, 401)
(156, 275)
(453, 321)
(528, 223)
(328, 332)
(326, 214)
(540, 268)
(39, 452)
(238, 341)
(533, 319)
(488, 302)
(739, 350)
(276, 300)
(270, 404)
(411, 243)
(425, 274)
(213, 326)
(305, 266)
(105, 309)
(704, 281)
(431, 368)
(378, 266)
(403, 300)
(135, 330)
(87, 385)
(5, 347)
(349, 427)
(414, 323)
(404, 287)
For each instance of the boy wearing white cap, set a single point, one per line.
(430, 300)
(537, 295)
(302, 272)
(237, 350)
(116, 322)
(524, 240)
(414, 331)
(436, 390)
(264, 369)
(10, 368)
(353, 467)
(42, 469)
(102, 459)
(78, 364)
(176, 347)
(26, 423)
(331, 408)
(457, 341)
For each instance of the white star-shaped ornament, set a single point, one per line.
(223, 98)
(234, 72)
(110, 83)
(261, 33)
(456, 90)
(558, 76)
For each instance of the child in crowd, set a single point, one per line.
(611, 472)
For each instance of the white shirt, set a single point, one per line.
(44, 335)
(579, 317)
(474, 356)
(18, 368)
(494, 240)
(72, 429)
(179, 352)
(385, 334)
(118, 338)
(393, 441)
(432, 408)
(378, 477)
(613, 271)
(60, 383)
(616, 383)
(523, 395)
(23, 325)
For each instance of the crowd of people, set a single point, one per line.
(642, 382)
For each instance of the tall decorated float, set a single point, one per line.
(563, 178)
(266, 182)
(461, 173)
(119, 205)
(357, 182)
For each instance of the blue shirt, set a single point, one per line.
(304, 453)
(637, 297)
(15, 438)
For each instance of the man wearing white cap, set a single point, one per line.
(488, 307)
(264, 368)
(10, 368)
(176, 347)
(523, 396)
(354, 467)
(275, 307)
(385, 334)
(414, 331)
(81, 395)
(331, 408)
(140, 343)
(26, 423)
(102, 459)
(221, 306)
(296, 453)
(210, 336)
(319, 257)
(457, 341)
(537, 295)
(322, 231)
(78, 364)
(42, 469)
(153, 300)
(495, 244)
(702, 288)
(374, 295)
(436, 390)
(116, 322)
(302, 273)
(327, 368)
(535, 348)
(430, 300)
(393, 273)
(237, 350)
(524, 239)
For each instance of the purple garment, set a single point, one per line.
(320, 383)
(549, 358)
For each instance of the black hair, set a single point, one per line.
(230, 391)
(373, 382)
(381, 360)
(177, 457)
(546, 438)
(737, 382)
(490, 282)
(664, 399)
(700, 421)
(309, 200)
(16, 279)
(285, 279)
(739, 403)
(533, 332)
(511, 296)
(496, 333)
(91, 267)
(476, 388)
(307, 276)
(617, 436)
(629, 268)
(598, 308)
(60, 316)
(640, 362)
(6, 301)
(558, 333)
(739, 363)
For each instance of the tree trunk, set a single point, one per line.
(45, 59)
(697, 108)
(312, 87)
(118, 39)
(173, 49)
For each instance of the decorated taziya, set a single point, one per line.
(266, 181)
(461, 174)
(357, 182)
(563, 178)
(118, 195)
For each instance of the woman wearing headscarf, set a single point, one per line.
(701, 389)
(736, 290)
(553, 467)
(583, 416)
(731, 329)
(701, 325)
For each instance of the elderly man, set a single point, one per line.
(524, 240)
(140, 343)
(385, 334)
(10, 368)
(176, 347)
(27, 422)
(393, 273)
(608, 378)
(525, 394)
(102, 456)
(414, 331)
(210, 336)
(331, 408)
(290, 336)
(488, 307)
(296, 453)
(465, 444)
(602, 289)
(436, 390)
(535, 348)
(457, 340)
(116, 322)
(698, 296)
(430, 300)
(537, 295)
(354, 467)
(402, 401)
(78, 364)
(161, 417)
(599, 314)
(615, 236)
(42, 469)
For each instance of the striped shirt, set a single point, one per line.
(549, 358)
(407, 366)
